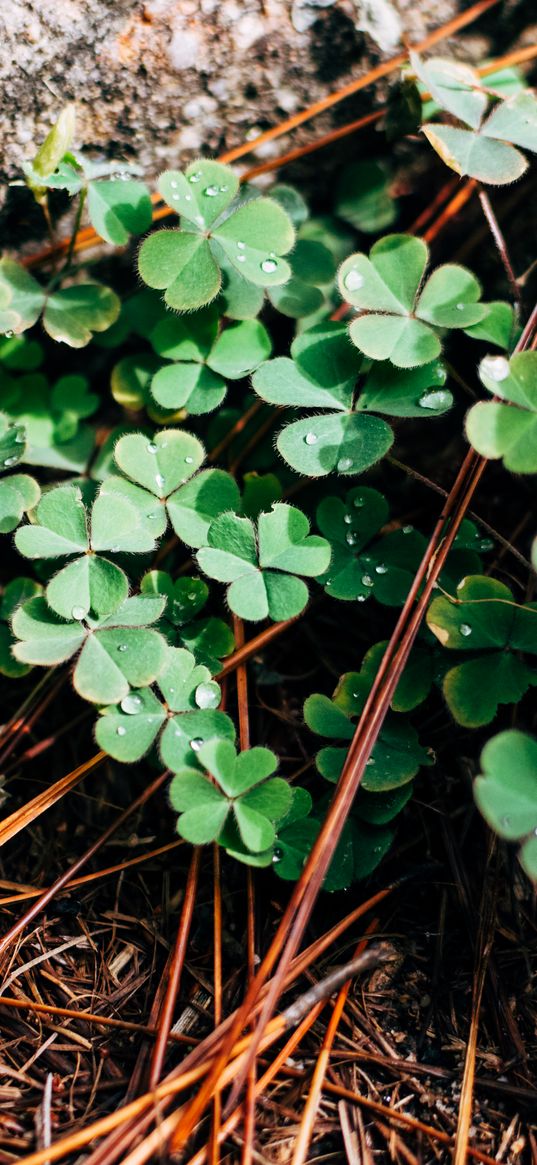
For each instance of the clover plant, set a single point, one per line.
(320, 345)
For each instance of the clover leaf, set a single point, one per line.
(115, 653)
(15, 593)
(486, 151)
(359, 850)
(204, 358)
(312, 270)
(166, 467)
(363, 197)
(261, 566)
(209, 639)
(401, 320)
(252, 235)
(506, 792)
(242, 787)
(63, 529)
(397, 755)
(507, 430)
(118, 208)
(322, 375)
(70, 314)
(18, 491)
(363, 565)
(486, 624)
(186, 716)
(52, 419)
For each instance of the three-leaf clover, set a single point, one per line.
(486, 150)
(252, 235)
(209, 639)
(242, 789)
(489, 631)
(164, 483)
(506, 792)
(63, 529)
(185, 717)
(322, 374)
(507, 430)
(397, 755)
(204, 358)
(52, 419)
(70, 314)
(362, 564)
(116, 653)
(401, 319)
(261, 566)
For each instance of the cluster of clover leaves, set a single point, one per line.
(119, 529)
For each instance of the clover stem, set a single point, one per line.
(501, 246)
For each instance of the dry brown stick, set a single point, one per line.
(176, 971)
(21, 818)
(214, 1149)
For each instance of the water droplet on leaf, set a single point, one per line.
(122, 647)
(367, 581)
(310, 439)
(151, 447)
(381, 568)
(120, 730)
(131, 703)
(207, 695)
(241, 245)
(495, 367)
(465, 630)
(159, 480)
(196, 744)
(78, 612)
(434, 400)
(353, 280)
(407, 529)
(344, 463)
(211, 191)
(268, 266)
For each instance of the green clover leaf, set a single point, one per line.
(52, 419)
(186, 716)
(252, 235)
(507, 430)
(209, 639)
(118, 208)
(261, 567)
(203, 359)
(63, 529)
(400, 319)
(166, 468)
(397, 755)
(506, 792)
(16, 592)
(363, 197)
(242, 786)
(114, 654)
(322, 374)
(485, 623)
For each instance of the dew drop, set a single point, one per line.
(310, 439)
(353, 280)
(188, 198)
(20, 439)
(195, 177)
(241, 258)
(207, 695)
(9, 461)
(350, 538)
(268, 266)
(486, 544)
(175, 197)
(277, 855)
(460, 306)
(189, 460)
(173, 184)
(196, 744)
(159, 480)
(407, 529)
(120, 730)
(114, 549)
(361, 598)
(434, 400)
(211, 191)
(381, 568)
(347, 519)
(9, 334)
(122, 647)
(367, 581)
(505, 822)
(370, 761)
(78, 612)
(344, 463)
(151, 447)
(495, 367)
(465, 630)
(241, 245)
(192, 597)
(131, 704)
(358, 502)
